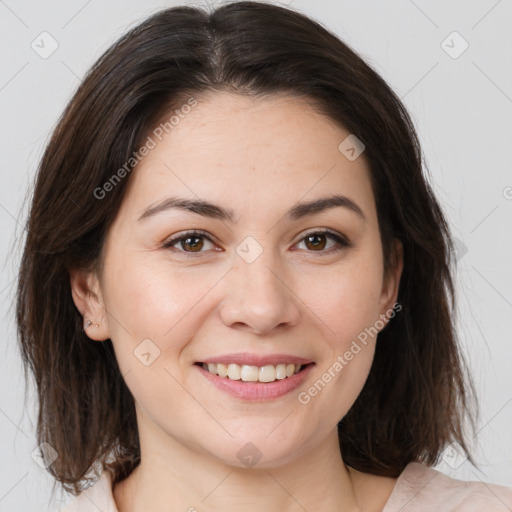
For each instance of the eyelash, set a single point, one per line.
(343, 243)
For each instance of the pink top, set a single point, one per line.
(418, 489)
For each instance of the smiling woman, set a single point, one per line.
(264, 305)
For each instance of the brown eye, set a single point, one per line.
(189, 243)
(316, 241)
(192, 244)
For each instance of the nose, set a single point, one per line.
(257, 297)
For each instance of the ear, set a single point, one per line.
(392, 283)
(86, 293)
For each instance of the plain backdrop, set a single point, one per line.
(450, 62)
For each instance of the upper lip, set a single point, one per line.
(257, 359)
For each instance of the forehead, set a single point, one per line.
(231, 148)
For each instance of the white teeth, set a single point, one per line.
(281, 371)
(234, 372)
(267, 373)
(246, 373)
(249, 373)
(222, 370)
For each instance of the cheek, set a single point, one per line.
(152, 317)
(348, 300)
(345, 378)
(150, 297)
(347, 303)
(348, 309)
(154, 308)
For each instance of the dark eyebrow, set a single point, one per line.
(198, 206)
(318, 205)
(207, 209)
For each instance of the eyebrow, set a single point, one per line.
(207, 209)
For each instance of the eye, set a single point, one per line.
(191, 242)
(316, 241)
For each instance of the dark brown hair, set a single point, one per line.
(417, 395)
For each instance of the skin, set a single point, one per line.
(258, 157)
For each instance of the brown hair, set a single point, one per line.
(417, 395)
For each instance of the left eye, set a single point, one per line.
(318, 241)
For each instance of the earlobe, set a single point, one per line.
(391, 286)
(86, 294)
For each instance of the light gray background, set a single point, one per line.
(462, 108)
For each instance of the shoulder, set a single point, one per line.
(420, 488)
(99, 496)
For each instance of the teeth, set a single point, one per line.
(246, 373)
(234, 372)
(222, 369)
(280, 371)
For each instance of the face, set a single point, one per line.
(254, 280)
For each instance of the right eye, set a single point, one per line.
(190, 242)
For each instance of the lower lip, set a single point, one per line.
(257, 391)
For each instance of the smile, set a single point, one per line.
(267, 381)
(247, 373)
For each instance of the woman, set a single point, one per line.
(236, 290)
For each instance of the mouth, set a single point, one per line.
(255, 383)
(248, 373)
